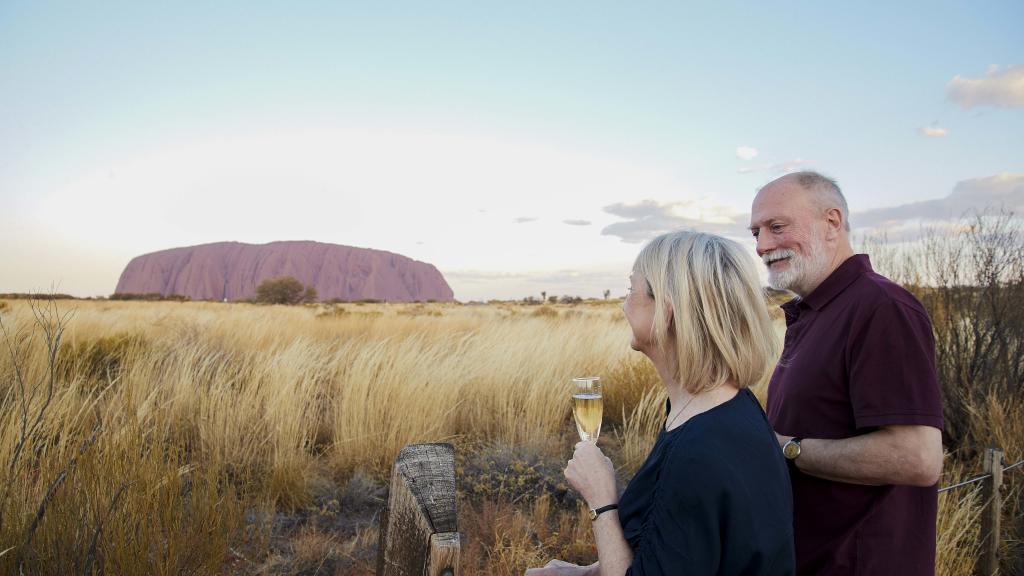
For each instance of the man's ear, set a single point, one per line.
(834, 221)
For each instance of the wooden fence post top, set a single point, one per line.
(419, 527)
(429, 470)
(993, 461)
(992, 464)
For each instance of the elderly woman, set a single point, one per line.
(713, 496)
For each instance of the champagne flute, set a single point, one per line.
(587, 406)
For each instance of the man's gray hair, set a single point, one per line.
(826, 192)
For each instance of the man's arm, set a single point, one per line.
(909, 455)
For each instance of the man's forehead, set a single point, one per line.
(786, 188)
(777, 199)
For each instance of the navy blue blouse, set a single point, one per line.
(713, 497)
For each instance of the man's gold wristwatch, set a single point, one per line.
(595, 512)
(791, 449)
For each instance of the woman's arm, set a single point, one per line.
(591, 473)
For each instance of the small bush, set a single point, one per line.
(419, 310)
(284, 290)
(546, 312)
(332, 311)
(513, 474)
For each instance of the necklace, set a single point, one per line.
(681, 410)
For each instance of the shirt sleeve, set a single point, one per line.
(892, 369)
(681, 531)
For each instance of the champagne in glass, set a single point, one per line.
(587, 406)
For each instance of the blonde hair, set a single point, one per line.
(719, 326)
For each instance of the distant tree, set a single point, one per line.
(552, 299)
(607, 293)
(543, 296)
(284, 290)
(309, 295)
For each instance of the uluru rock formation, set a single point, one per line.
(232, 270)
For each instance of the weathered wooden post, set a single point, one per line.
(419, 532)
(992, 496)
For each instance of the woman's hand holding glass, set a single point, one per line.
(592, 475)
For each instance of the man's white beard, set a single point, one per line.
(801, 269)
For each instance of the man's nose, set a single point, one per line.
(764, 244)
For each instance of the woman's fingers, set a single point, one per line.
(591, 474)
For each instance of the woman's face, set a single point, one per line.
(639, 311)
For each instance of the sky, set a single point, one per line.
(519, 147)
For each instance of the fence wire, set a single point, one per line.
(979, 478)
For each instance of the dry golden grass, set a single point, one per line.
(179, 435)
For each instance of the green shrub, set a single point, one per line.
(284, 290)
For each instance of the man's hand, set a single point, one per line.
(560, 568)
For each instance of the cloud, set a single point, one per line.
(932, 131)
(649, 218)
(787, 166)
(779, 168)
(524, 219)
(1004, 190)
(1001, 88)
(573, 222)
(746, 152)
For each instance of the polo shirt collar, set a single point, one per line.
(854, 267)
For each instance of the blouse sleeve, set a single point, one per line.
(681, 532)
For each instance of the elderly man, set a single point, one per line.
(854, 399)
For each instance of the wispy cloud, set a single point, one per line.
(524, 219)
(746, 152)
(787, 166)
(1004, 190)
(573, 222)
(932, 131)
(778, 168)
(1001, 88)
(650, 218)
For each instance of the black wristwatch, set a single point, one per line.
(791, 449)
(595, 512)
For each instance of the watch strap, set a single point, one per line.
(595, 512)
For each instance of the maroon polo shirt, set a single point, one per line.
(859, 354)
